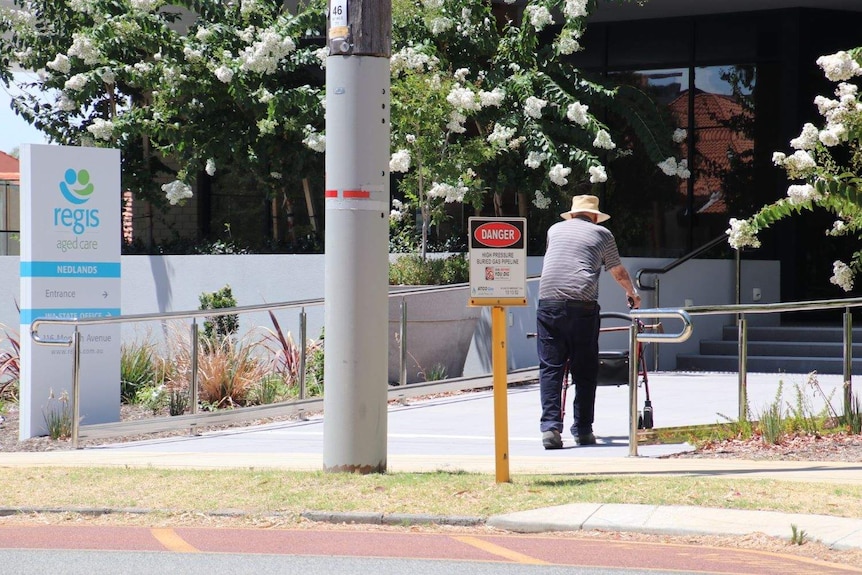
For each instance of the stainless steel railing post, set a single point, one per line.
(655, 345)
(743, 368)
(402, 372)
(303, 350)
(848, 360)
(76, 386)
(193, 380)
(633, 388)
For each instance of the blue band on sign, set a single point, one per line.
(28, 316)
(70, 269)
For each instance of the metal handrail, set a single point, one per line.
(74, 340)
(740, 310)
(677, 262)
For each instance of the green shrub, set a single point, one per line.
(152, 397)
(270, 389)
(411, 269)
(224, 325)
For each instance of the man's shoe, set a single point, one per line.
(551, 439)
(586, 439)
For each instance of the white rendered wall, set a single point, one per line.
(174, 283)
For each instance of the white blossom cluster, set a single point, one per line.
(839, 66)
(598, 174)
(838, 113)
(409, 58)
(101, 129)
(399, 210)
(224, 74)
(456, 122)
(267, 126)
(493, 98)
(802, 193)
(440, 25)
(535, 159)
(82, 6)
(176, 192)
(577, 113)
(807, 139)
(501, 135)
(247, 7)
(575, 9)
(321, 54)
(539, 16)
(400, 161)
(447, 192)
(83, 48)
(314, 139)
(65, 103)
(679, 135)
(798, 165)
(463, 98)
(842, 275)
(567, 41)
(603, 140)
(143, 5)
(210, 168)
(60, 63)
(742, 234)
(670, 167)
(839, 227)
(533, 107)
(109, 77)
(264, 55)
(76, 83)
(558, 174)
(541, 201)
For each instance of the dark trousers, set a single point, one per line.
(568, 331)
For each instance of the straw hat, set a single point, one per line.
(585, 205)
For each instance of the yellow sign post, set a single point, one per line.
(498, 277)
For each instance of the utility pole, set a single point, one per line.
(357, 236)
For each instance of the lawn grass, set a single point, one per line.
(442, 493)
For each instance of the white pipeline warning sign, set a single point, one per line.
(498, 261)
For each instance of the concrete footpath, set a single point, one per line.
(455, 433)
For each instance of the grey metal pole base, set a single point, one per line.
(357, 260)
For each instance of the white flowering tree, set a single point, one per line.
(484, 103)
(182, 88)
(825, 168)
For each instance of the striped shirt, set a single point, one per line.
(576, 251)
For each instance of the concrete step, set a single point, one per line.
(780, 348)
(765, 364)
(791, 333)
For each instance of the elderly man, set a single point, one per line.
(567, 315)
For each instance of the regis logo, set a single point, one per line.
(77, 189)
(497, 235)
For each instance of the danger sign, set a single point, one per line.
(498, 261)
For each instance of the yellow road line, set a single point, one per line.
(501, 551)
(172, 541)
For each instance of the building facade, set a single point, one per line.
(740, 78)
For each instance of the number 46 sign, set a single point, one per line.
(338, 13)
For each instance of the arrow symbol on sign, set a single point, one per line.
(104, 294)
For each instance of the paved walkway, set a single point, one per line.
(456, 434)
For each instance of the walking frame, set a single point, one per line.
(614, 367)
